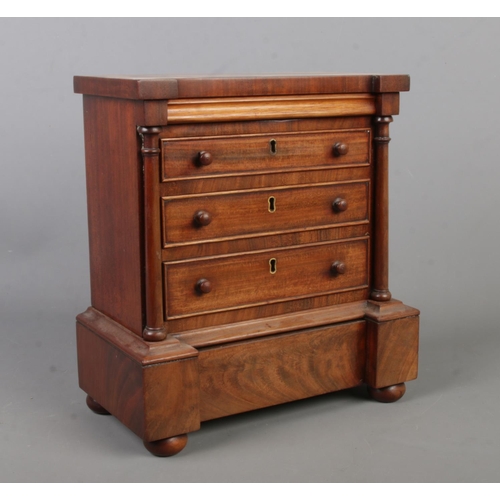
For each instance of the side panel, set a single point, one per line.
(114, 199)
(392, 351)
(171, 397)
(111, 378)
(154, 401)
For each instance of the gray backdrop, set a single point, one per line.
(444, 254)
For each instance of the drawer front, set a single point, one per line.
(263, 153)
(210, 217)
(223, 283)
(244, 376)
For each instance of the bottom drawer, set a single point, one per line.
(245, 376)
(254, 278)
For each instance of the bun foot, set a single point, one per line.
(167, 447)
(96, 407)
(387, 394)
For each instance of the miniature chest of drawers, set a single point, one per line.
(238, 233)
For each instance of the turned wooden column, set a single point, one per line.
(155, 324)
(380, 287)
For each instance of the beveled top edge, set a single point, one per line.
(185, 87)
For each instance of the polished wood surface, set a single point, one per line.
(114, 209)
(388, 394)
(253, 242)
(240, 315)
(159, 87)
(313, 175)
(232, 214)
(154, 329)
(265, 108)
(245, 376)
(262, 327)
(380, 288)
(392, 348)
(238, 233)
(154, 400)
(249, 279)
(167, 447)
(290, 151)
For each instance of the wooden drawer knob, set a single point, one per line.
(204, 158)
(340, 148)
(338, 267)
(202, 218)
(203, 286)
(339, 205)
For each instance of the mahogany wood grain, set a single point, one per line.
(245, 376)
(390, 84)
(380, 284)
(392, 351)
(246, 212)
(238, 233)
(252, 242)
(156, 114)
(387, 104)
(294, 150)
(246, 279)
(114, 209)
(242, 315)
(260, 327)
(154, 87)
(387, 311)
(258, 126)
(102, 368)
(134, 347)
(154, 329)
(154, 401)
(312, 175)
(268, 108)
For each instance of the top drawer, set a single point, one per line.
(212, 157)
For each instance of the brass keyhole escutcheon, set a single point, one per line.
(272, 266)
(273, 146)
(271, 204)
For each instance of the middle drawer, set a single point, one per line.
(230, 215)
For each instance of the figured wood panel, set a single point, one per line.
(244, 280)
(263, 211)
(114, 193)
(248, 375)
(154, 401)
(110, 377)
(171, 399)
(392, 351)
(253, 154)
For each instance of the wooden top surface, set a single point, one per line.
(188, 87)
